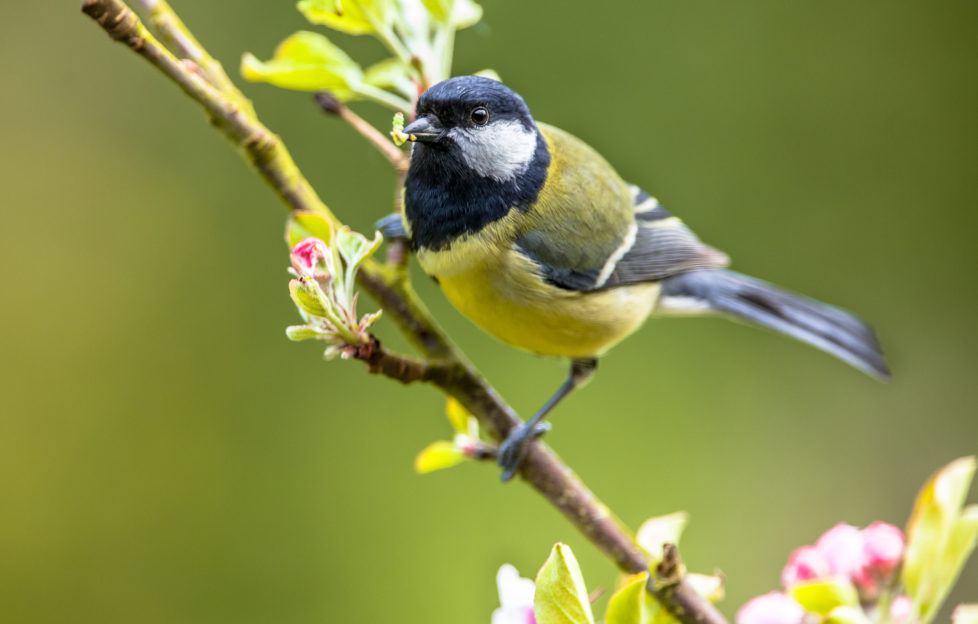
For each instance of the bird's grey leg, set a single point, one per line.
(514, 447)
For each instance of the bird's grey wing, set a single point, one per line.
(392, 226)
(656, 246)
(663, 246)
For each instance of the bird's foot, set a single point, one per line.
(517, 443)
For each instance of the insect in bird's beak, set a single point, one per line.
(424, 129)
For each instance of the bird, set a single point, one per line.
(533, 235)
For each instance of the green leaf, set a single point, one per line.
(491, 74)
(306, 61)
(456, 14)
(302, 224)
(458, 416)
(931, 563)
(561, 596)
(965, 614)
(960, 544)
(847, 615)
(343, 15)
(305, 332)
(294, 233)
(659, 531)
(438, 455)
(391, 74)
(466, 13)
(632, 604)
(441, 10)
(369, 319)
(355, 247)
(823, 595)
(304, 294)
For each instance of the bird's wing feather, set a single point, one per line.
(656, 246)
(663, 246)
(661, 249)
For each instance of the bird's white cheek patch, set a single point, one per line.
(502, 150)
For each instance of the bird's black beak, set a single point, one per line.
(424, 129)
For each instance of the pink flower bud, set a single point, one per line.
(842, 547)
(771, 608)
(805, 564)
(309, 256)
(882, 548)
(901, 609)
(882, 551)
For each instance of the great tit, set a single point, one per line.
(534, 237)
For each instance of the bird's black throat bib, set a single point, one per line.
(445, 199)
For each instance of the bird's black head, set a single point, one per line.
(473, 102)
(479, 122)
(477, 154)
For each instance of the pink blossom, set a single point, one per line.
(514, 615)
(308, 255)
(901, 609)
(771, 608)
(842, 547)
(882, 548)
(805, 564)
(882, 551)
(515, 598)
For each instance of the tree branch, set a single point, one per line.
(233, 115)
(168, 26)
(262, 148)
(402, 368)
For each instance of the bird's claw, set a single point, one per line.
(514, 447)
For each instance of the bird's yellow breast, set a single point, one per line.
(501, 290)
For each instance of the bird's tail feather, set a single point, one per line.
(825, 327)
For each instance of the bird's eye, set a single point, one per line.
(480, 115)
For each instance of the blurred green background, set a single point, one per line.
(166, 455)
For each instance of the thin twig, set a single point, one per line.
(454, 374)
(397, 253)
(398, 159)
(402, 368)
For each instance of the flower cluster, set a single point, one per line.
(862, 576)
(324, 266)
(867, 558)
(848, 576)
(846, 568)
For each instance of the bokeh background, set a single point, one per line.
(166, 455)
